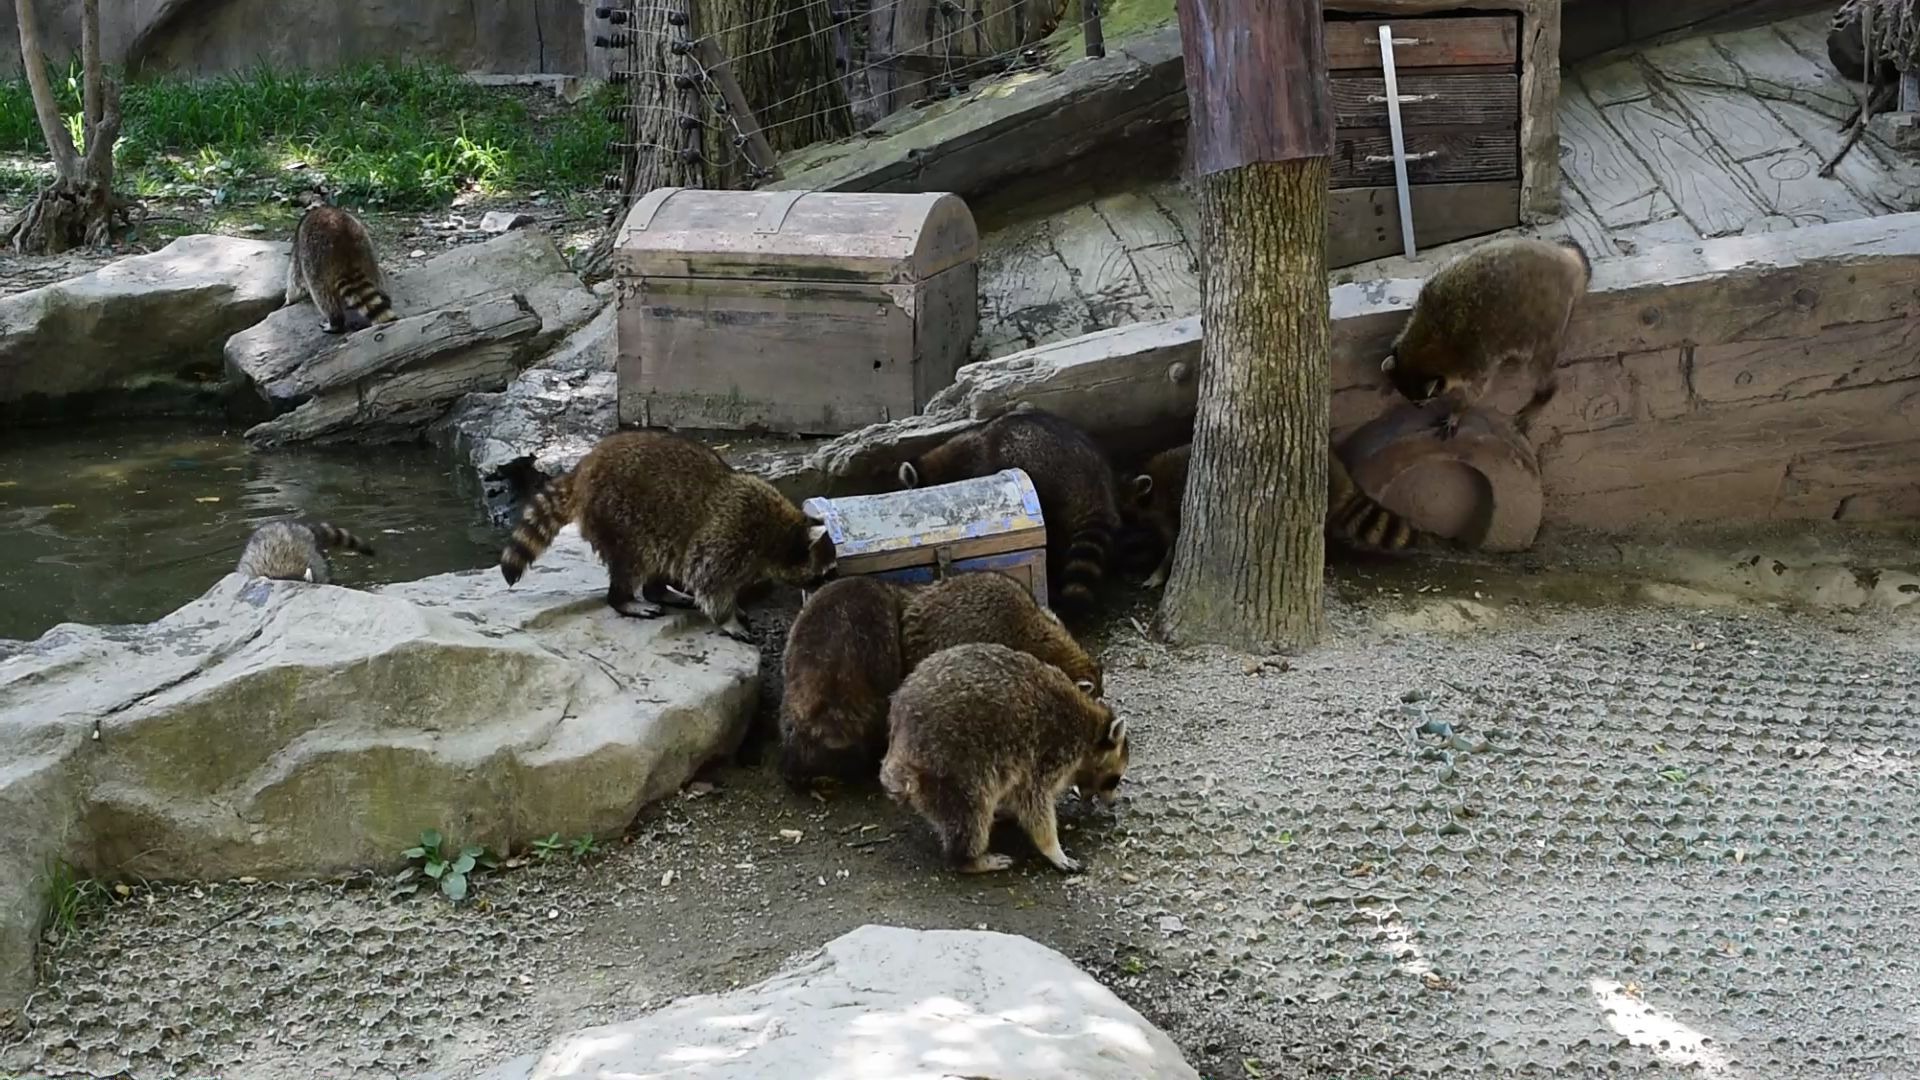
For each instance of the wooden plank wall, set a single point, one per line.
(1746, 379)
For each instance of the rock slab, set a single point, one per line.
(286, 730)
(277, 356)
(546, 419)
(884, 1003)
(161, 315)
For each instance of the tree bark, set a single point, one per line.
(1250, 562)
(782, 54)
(46, 107)
(80, 206)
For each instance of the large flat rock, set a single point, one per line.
(156, 316)
(279, 729)
(884, 1003)
(545, 420)
(275, 357)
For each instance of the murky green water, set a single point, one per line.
(125, 522)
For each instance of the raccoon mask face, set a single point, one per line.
(1106, 765)
(816, 560)
(1416, 388)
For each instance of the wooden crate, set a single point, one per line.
(1478, 84)
(796, 312)
(987, 523)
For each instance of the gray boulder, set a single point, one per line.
(356, 384)
(885, 1003)
(285, 730)
(545, 421)
(145, 318)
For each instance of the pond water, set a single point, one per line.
(125, 522)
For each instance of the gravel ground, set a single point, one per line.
(1480, 831)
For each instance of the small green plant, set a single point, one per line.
(71, 897)
(582, 847)
(451, 871)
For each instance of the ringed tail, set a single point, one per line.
(1085, 565)
(1355, 518)
(330, 536)
(549, 511)
(364, 297)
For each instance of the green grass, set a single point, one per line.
(70, 897)
(396, 136)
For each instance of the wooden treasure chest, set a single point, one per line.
(798, 312)
(987, 523)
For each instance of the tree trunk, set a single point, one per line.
(80, 206)
(654, 154)
(782, 54)
(1250, 561)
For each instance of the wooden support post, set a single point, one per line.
(1250, 562)
(755, 144)
(1090, 26)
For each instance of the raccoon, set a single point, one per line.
(843, 661)
(989, 606)
(858, 637)
(1157, 492)
(295, 551)
(1505, 302)
(1354, 521)
(1070, 474)
(982, 730)
(333, 261)
(661, 509)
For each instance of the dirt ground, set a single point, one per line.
(1506, 820)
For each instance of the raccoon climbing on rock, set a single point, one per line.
(1072, 477)
(979, 730)
(843, 662)
(333, 262)
(1504, 303)
(661, 509)
(1354, 521)
(295, 551)
(988, 606)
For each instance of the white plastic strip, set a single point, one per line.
(1399, 141)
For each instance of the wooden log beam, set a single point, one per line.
(1714, 335)
(396, 376)
(1027, 125)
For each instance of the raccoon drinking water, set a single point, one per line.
(1071, 476)
(333, 262)
(295, 551)
(1504, 303)
(662, 509)
(979, 730)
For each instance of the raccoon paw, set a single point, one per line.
(328, 326)
(987, 864)
(1066, 864)
(1447, 426)
(1158, 578)
(737, 630)
(637, 609)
